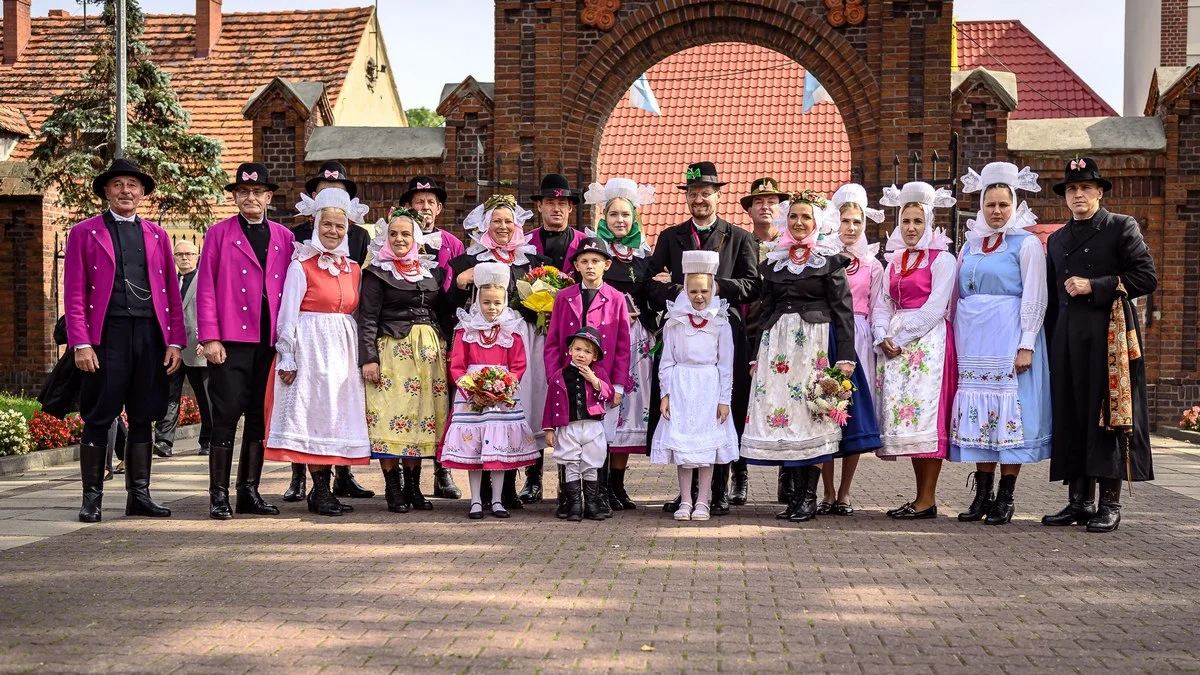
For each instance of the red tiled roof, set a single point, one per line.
(1043, 80)
(253, 48)
(13, 121)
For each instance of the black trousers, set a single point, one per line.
(131, 377)
(197, 376)
(239, 387)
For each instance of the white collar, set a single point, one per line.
(122, 219)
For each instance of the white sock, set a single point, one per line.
(685, 485)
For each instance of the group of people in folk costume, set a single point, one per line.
(790, 344)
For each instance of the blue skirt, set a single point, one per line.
(861, 433)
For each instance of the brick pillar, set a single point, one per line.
(1173, 45)
(29, 293)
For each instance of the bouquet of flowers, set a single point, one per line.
(488, 387)
(829, 395)
(537, 289)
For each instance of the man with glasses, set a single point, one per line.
(239, 287)
(736, 281)
(186, 257)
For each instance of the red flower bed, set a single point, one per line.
(48, 431)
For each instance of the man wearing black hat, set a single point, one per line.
(239, 286)
(124, 323)
(737, 281)
(1096, 264)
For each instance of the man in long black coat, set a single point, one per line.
(736, 281)
(1086, 260)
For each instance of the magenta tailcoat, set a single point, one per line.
(89, 270)
(558, 408)
(228, 304)
(452, 247)
(535, 238)
(608, 315)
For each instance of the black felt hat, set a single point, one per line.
(702, 173)
(423, 184)
(252, 173)
(1079, 170)
(331, 171)
(591, 335)
(555, 185)
(121, 167)
(591, 245)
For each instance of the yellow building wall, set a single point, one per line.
(359, 106)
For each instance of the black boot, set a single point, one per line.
(250, 463)
(508, 492)
(531, 493)
(296, 490)
(739, 491)
(1080, 508)
(203, 452)
(720, 490)
(443, 483)
(320, 499)
(673, 505)
(787, 479)
(220, 460)
(783, 494)
(91, 472)
(393, 490)
(137, 483)
(807, 478)
(616, 487)
(982, 504)
(603, 498)
(1002, 507)
(564, 504)
(573, 496)
(344, 484)
(1108, 516)
(412, 490)
(592, 508)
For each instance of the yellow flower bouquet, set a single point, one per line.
(538, 288)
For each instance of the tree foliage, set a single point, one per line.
(424, 117)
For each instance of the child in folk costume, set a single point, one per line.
(627, 425)
(402, 355)
(847, 215)
(912, 329)
(316, 399)
(696, 382)
(575, 405)
(495, 438)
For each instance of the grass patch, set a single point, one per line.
(25, 406)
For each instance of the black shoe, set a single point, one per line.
(163, 450)
(805, 485)
(412, 489)
(842, 509)
(1002, 506)
(531, 492)
(673, 505)
(740, 488)
(249, 473)
(203, 452)
(220, 459)
(508, 492)
(824, 508)
(720, 490)
(498, 510)
(564, 504)
(982, 504)
(345, 507)
(137, 483)
(1081, 507)
(787, 479)
(592, 509)
(393, 490)
(474, 514)
(573, 493)
(443, 483)
(344, 485)
(320, 499)
(296, 489)
(619, 498)
(1108, 516)
(603, 507)
(91, 473)
(907, 512)
(783, 493)
(119, 469)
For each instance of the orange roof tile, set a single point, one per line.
(13, 121)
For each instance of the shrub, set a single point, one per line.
(48, 431)
(14, 433)
(1190, 419)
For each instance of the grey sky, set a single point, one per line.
(431, 43)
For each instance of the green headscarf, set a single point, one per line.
(632, 240)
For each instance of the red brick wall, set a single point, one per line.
(29, 292)
(1173, 45)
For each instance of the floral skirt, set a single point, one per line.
(493, 439)
(916, 394)
(407, 410)
(626, 427)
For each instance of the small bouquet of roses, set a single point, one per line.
(489, 387)
(829, 395)
(537, 289)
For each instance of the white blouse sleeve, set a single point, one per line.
(667, 363)
(725, 363)
(920, 321)
(1033, 290)
(295, 285)
(882, 309)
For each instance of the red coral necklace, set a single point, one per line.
(499, 254)
(488, 337)
(905, 270)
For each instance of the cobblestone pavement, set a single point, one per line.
(435, 592)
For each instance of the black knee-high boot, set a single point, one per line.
(443, 483)
(1108, 516)
(531, 493)
(220, 461)
(137, 483)
(739, 489)
(250, 463)
(91, 472)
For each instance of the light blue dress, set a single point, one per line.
(999, 415)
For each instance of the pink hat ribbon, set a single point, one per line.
(249, 176)
(333, 174)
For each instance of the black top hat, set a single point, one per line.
(121, 167)
(251, 173)
(422, 184)
(331, 171)
(555, 185)
(702, 173)
(591, 245)
(591, 335)
(763, 187)
(1081, 169)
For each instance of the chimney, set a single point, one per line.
(1173, 43)
(58, 14)
(16, 29)
(208, 26)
